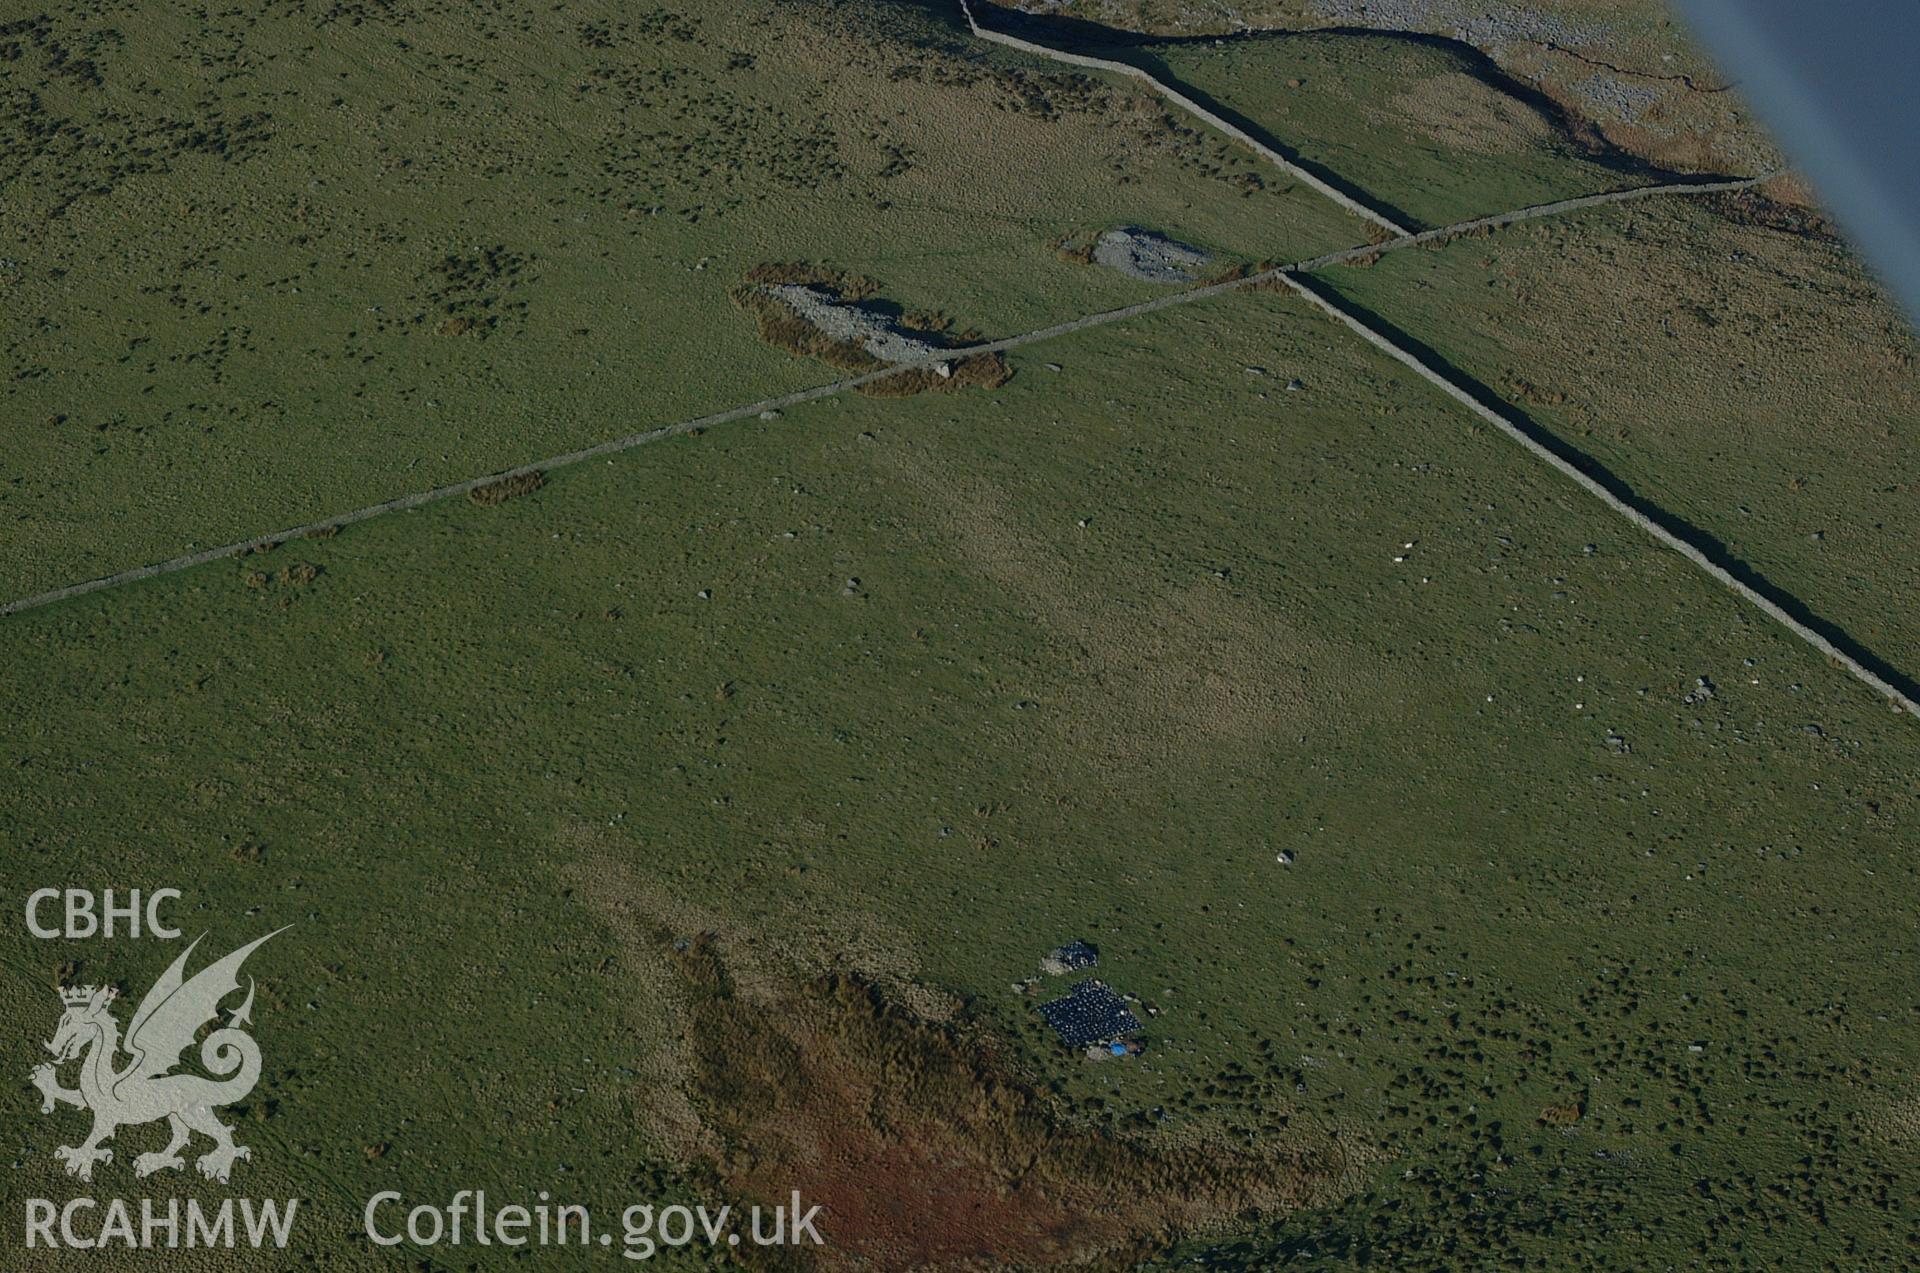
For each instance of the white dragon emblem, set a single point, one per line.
(163, 1027)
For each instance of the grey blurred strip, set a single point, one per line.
(1839, 85)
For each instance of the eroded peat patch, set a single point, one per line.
(925, 1149)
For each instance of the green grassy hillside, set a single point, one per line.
(1751, 378)
(266, 267)
(918, 689)
(1429, 131)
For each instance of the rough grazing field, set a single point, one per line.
(1627, 66)
(681, 827)
(1431, 132)
(263, 265)
(1495, 890)
(1748, 376)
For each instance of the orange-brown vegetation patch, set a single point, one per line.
(983, 371)
(1232, 274)
(506, 488)
(1074, 249)
(784, 329)
(1778, 206)
(780, 327)
(853, 287)
(1565, 1114)
(924, 1151)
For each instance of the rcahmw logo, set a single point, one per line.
(147, 1089)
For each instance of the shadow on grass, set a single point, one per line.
(1074, 35)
